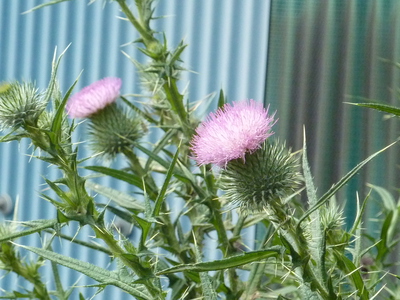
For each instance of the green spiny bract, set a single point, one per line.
(112, 131)
(262, 178)
(20, 105)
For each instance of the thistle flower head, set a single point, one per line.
(20, 105)
(94, 97)
(265, 176)
(112, 130)
(231, 132)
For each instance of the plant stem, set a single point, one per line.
(257, 270)
(131, 261)
(170, 87)
(303, 270)
(138, 169)
(147, 36)
(226, 247)
(13, 263)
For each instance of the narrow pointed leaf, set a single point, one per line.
(145, 225)
(63, 195)
(124, 176)
(55, 64)
(386, 197)
(101, 275)
(56, 126)
(161, 195)
(116, 196)
(45, 4)
(332, 191)
(164, 141)
(155, 157)
(221, 99)
(381, 107)
(138, 111)
(35, 226)
(225, 263)
(354, 275)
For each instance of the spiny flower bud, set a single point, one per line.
(112, 131)
(20, 105)
(262, 178)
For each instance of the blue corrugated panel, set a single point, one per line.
(227, 49)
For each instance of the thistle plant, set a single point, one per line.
(230, 171)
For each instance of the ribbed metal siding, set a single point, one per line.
(325, 53)
(227, 48)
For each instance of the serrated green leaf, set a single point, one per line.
(116, 196)
(35, 226)
(225, 263)
(317, 241)
(332, 191)
(101, 275)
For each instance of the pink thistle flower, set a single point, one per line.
(231, 132)
(94, 97)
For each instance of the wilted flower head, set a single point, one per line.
(20, 105)
(231, 132)
(94, 97)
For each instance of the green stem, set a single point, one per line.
(296, 241)
(239, 225)
(170, 87)
(226, 246)
(146, 35)
(138, 169)
(130, 261)
(303, 270)
(257, 270)
(14, 264)
(176, 101)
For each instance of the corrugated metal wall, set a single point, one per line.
(227, 48)
(325, 53)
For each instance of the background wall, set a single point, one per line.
(227, 49)
(321, 55)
